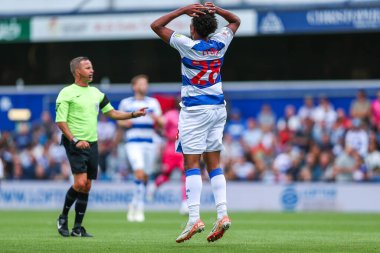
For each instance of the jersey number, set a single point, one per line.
(213, 65)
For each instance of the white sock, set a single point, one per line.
(193, 192)
(218, 185)
(139, 194)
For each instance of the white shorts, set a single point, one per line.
(201, 130)
(141, 156)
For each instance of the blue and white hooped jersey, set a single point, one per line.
(201, 64)
(142, 129)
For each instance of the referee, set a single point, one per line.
(77, 109)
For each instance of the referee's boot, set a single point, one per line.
(62, 226)
(80, 232)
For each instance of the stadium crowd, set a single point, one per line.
(316, 142)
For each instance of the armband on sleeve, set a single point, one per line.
(104, 102)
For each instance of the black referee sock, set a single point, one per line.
(80, 208)
(71, 196)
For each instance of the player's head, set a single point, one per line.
(203, 25)
(140, 84)
(82, 69)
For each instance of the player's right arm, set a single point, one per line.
(232, 19)
(159, 25)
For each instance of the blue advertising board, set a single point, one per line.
(318, 21)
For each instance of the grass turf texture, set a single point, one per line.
(35, 231)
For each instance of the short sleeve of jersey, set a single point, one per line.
(62, 107)
(181, 42)
(225, 35)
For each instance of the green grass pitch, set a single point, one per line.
(35, 231)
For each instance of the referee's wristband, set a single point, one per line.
(132, 115)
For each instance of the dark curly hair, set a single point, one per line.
(206, 24)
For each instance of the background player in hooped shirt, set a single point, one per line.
(140, 149)
(203, 113)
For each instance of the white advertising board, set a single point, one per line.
(118, 26)
(241, 196)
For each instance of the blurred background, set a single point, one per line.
(301, 78)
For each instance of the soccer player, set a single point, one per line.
(203, 113)
(140, 149)
(77, 109)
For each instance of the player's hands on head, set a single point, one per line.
(194, 10)
(210, 7)
(140, 112)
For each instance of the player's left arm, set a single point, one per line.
(159, 25)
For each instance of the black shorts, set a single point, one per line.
(82, 160)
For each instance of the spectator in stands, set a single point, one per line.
(304, 136)
(320, 131)
(235, 125)
(6, 144)
(324, 168)
(361, 107)
(251, 136)
(346, 164)
(232, 151)
(325, 113)
(340, 126)
(59, 168)
(306, 173)
(284, 135)
(43, 161)
(268, 140)
(372, 162)
(28, 162)
(357, 138)
(52, 163)
(266, 117)
(48, 126)
(306, 110)
(291, 119)
(264, 153)
(22, 136)
(242, 169)
(297, 157)
(17, 172)
(281, 165)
